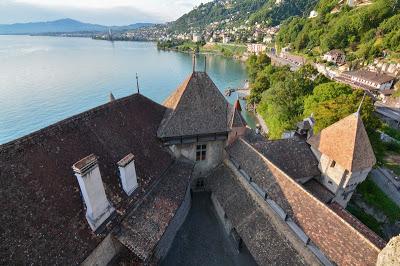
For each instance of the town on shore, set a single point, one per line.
(315, 182)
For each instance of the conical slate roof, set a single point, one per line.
(196, 107)
(235, 118)
(347, 143)
(237, 105)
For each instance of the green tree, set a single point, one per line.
(333, 101)
(255, 64)
(282, 105)
(270, 74)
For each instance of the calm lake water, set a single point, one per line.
(46, 79)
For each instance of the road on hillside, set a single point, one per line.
(283, 61)
(386, 185)
(390, 112)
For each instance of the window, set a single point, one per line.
(333, 164)
(200, 183)
(201, 152)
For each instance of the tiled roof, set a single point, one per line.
(335, 52)
(143, 228)
(235, 118)
(347, 143)
(371, 76)
(293, 156)
(197, 107)
(42, 213)
(362, 228)
(319, 191)
(265, 243)
(306, 206)
(254, 165)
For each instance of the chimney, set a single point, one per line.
(98, 208)
(127, 173)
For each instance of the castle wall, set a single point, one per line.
(104, 252)
(235, 133)
(215, 155)
(167, 239)
(337, 180)
(350, 185)
(221, 214)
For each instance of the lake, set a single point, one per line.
(46, 79)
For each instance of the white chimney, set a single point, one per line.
(127, 174)
(98, 208)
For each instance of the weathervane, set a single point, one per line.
(137, 83)
(194, 62)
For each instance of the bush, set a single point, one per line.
(391, 131)
(375, 197)
(365, 218)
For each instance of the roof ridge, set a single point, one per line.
(72, 119)
(171, 109)
(326, 206)
(181, 90)
(197, 107)
(354, 140)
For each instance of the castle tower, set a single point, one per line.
(237, 124)
(345, 156)
(197, 122)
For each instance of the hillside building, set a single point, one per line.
(313, 14)
(268, 39)
(335, 56)
(371, 80)
(196, 37)
(256, 48)
(114, 184)
(226, 39)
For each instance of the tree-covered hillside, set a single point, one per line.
(262, 11)
(274, 13)
(364, 32)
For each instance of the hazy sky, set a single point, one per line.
(108, 12)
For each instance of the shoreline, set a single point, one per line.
(241, 59)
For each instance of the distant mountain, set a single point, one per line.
(63, 26)
(271, 12)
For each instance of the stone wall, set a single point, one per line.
(104, 252)
(166, 241)
(332, 178)
(390, 255)
(235, 133)
(215, 155)
(221, 214)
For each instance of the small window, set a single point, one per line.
(330, 182)
(201, 152)
(333, 164)
(200, 183)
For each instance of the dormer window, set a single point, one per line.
(201, 152)
(333, 164)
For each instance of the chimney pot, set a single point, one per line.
(98, 208)
(127, 173)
